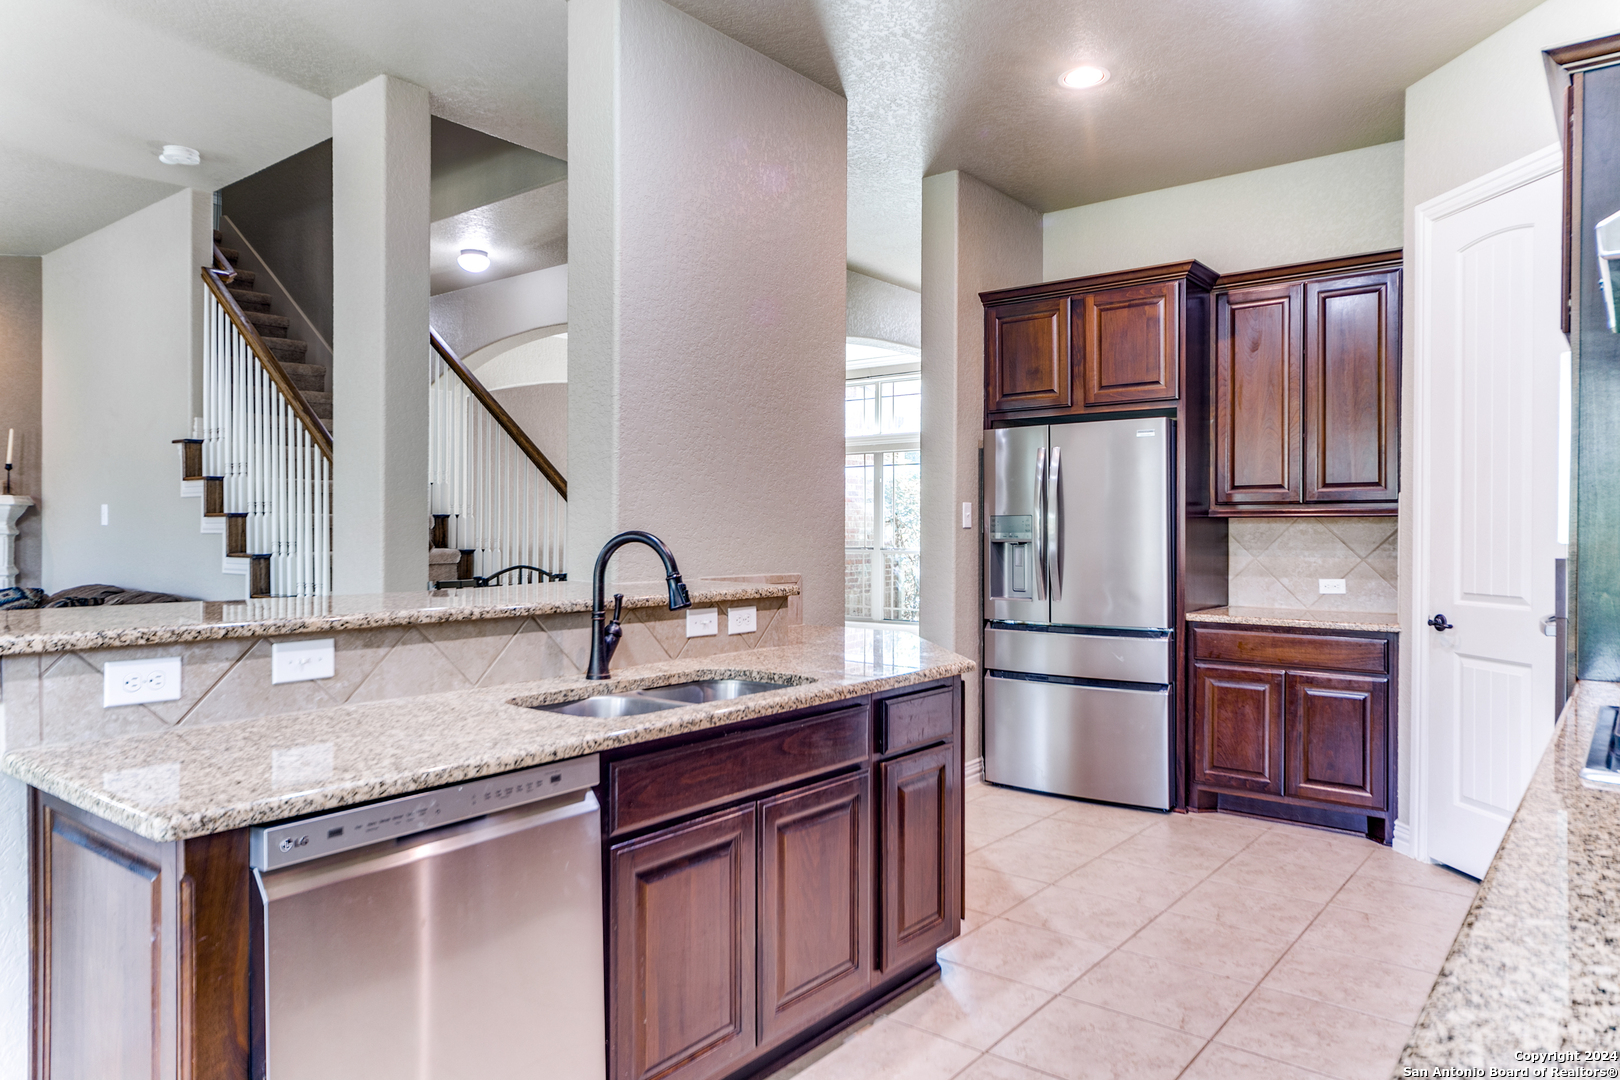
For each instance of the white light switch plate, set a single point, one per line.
(300, 661)
(702, 622)
(967, 515)
(742, 620)
(135, 682)
(1327, 585)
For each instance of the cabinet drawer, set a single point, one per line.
(916, 720)
(646, 790)
(1328, 652)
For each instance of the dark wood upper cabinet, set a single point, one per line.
(921, 796)
(1127, 344)
(1352, 389)
(815, 903)
(1306, 385)
(1259, 341)
(1099, 344)
(1238, 728)
(1030, 346)
(681, 949)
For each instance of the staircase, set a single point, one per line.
(311, 379)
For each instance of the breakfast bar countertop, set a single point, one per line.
(1536, 965)
(1378, 622)
(53, 630)
(193, 781)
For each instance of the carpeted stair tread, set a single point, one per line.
(310, 378)
(320, 403)
(287, 350)
(230, 253)
(249, 300)
(244, 279)
(268, 325)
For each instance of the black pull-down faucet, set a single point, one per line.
(605, 635)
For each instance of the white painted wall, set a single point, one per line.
(974, 238)
(1490, 106)
(479, 315)
(121, 378)
(380, 183)
(1341, 204)
(882, 311)
(706, 318)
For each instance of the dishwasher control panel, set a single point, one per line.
(272, 847)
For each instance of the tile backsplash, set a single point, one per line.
(1277, 562)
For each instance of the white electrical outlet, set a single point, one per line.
(135, 682)
(742, 620)
(298, 661)
(1330, 585)
(702, 622)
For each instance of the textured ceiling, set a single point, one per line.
(1200, 88)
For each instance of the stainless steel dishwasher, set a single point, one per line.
(447, 934)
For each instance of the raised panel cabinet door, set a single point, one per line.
(921, 844)
(681, 950)
(1259, 336)
(815, 903)
(1336, 729)
(1351, 426)
(1128, 344)
(1238, 728)
(1027, 349)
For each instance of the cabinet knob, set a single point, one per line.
(1439, 623)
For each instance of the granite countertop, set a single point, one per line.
(207, 779)
(48, 630)
(1536, 965)
(1381, 622)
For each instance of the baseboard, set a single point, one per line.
(1401, 839)
(973, 771)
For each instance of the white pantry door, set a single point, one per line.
(1487, 536)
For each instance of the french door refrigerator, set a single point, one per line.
(1079, 595)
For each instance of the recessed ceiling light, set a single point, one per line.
(1084, 77)
(473, 261)
(180, 155)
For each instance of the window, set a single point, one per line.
(882, 489)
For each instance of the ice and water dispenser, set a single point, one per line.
(1012, 556)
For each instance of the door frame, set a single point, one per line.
(1411, 833)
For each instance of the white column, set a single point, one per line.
(380, 177)
(706, 250)
(974, 239)
(12, 507)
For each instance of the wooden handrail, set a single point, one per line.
(502, 417)
(267, 360)
(222, 266)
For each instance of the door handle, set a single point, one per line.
(1439, 623)
(1054, 526)
(1040, 519)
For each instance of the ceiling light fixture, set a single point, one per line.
(473, 261)
(179, 155)
(1084, 77)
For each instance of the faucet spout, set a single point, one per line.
(605, 635)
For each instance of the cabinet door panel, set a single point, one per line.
(921, 853)
(1027, 349)
(1258, 341)
(1336, 739)
(681, 950)
(815, 903)
(1129, 339)
(1238, 728)
(1351, 429)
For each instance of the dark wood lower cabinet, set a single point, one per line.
(681, 942)
(1301, 729)
(921, 854)
(815, 899)
(739, 936)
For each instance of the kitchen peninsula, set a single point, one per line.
(149, 917)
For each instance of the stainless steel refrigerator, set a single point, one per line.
(1079, 596)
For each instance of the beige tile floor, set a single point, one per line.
(1111, 944)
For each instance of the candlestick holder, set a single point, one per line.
(8, 478)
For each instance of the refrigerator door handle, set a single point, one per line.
(1054, 524)
(1040, 519)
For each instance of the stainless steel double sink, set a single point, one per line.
(654, 698)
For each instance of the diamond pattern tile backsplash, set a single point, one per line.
(1276, 563)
